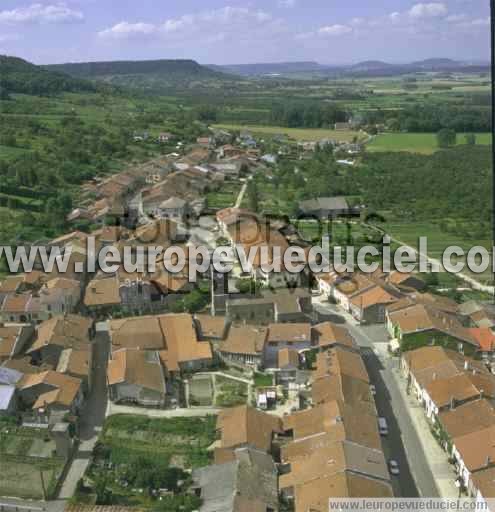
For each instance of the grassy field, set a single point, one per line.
(225, 197)
(438, 241)
(299, 134)
(425, 143)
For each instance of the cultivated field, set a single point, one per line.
(29, 469)
(425, 143)
(299, 134)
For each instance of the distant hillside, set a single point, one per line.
(368, 68)
(437, 63)
(267, 69)
(20, 76)
(371, 65)
(149, 74)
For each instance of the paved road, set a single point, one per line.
(240, 197)
(160, 413)
(16, 505)
(402, 443)
(92, 416)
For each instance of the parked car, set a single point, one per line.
(393, 466)
(382, 426)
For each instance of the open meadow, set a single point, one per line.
(298, 134)
(424, 143)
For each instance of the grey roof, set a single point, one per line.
(366, 461)
(251, 476)
(470, 307)
(173, 202)
(324, 203)
(9, 376)
(6, 394)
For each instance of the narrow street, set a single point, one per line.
(405, 442)
(92, 416)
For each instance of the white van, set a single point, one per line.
(382, 426)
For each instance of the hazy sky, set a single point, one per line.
(234, 31)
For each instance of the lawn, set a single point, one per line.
(299, 134)
(425, 143)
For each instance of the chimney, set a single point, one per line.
(452, 403)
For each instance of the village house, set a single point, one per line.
(421, 325)
(328, 335)
(103, 295)
(245, 479)
(244, 426)
(14, 339)
(60, 295)
(173, 208)
(244, 345)
(472, 453)
(21, 283)
(406, 282)
(50, 394)
(271, 306)
(478, 314)
(327, 208)
(165, 137)
(369, 306)
(57, 334)
(137, 376)
(485, 338)
(288, 365)
(173, 336)
(483, 486)
(8, 391)
(341, 375)
(442, 378)
(211, 328)
(281, 336)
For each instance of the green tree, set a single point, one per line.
(470, 139)
(446, 138)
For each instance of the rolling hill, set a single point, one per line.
(148, 74)
(20, 76)
(368, 68)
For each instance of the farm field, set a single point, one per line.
(425, 143)
(438, 241)
(299, 134)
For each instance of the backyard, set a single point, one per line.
(29, 468)
(147, 462)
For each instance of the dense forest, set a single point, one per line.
(451, 187)
(19, 76)
(307, 115)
